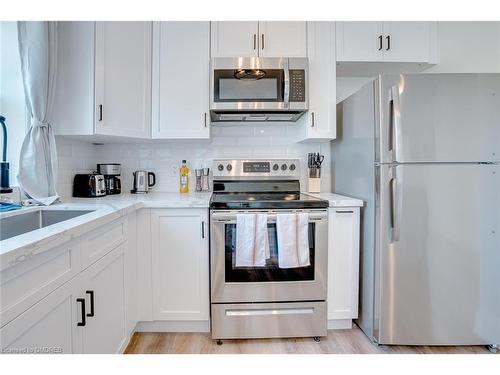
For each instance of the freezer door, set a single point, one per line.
(438, 117)
(438, 255)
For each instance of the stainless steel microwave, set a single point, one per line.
(258, 89)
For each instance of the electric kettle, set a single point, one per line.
(143, 181)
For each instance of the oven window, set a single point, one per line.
(271, 271)
(227, 88)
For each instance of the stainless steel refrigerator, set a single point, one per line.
(423, 151)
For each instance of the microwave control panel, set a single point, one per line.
(297, 85)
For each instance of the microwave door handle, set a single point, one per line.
(286, 86)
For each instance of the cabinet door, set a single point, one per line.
(407, 41)
(49, 326)
(343, 263)
(103, 288)
(235, 39)
(180, 264)
(282, 39)
(359, 41)
(181, 56)
(73, 109)
(123, 79)
(320, 121)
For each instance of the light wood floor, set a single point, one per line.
(351, 341)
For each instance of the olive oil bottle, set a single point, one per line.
(184, 178)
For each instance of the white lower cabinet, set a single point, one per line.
(343, 265)
(180, 264)
(103, 288)
(50, 326)
(63, 306)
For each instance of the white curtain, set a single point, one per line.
(38, 160)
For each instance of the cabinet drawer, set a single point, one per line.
(101, 241)
(50, 326)
(256, 320)
(34, 277)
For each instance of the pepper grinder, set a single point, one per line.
(198, 173)
(205, 179)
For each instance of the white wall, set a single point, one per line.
(12, 105)
(164, 158)
(73, 157)
(463, 47)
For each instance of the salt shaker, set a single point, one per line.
(205, 180)
(198, 179)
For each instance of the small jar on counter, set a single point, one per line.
(198, 173)
(205, 179)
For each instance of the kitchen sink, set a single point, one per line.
(16, 225)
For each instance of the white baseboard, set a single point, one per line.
(340, 324)
(125, 342)
(174, 326)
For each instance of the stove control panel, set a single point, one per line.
(256, 168)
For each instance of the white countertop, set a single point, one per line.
(152, 200)
(105, 210)
(337, 200)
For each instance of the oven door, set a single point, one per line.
(258, 84)
(269, 283)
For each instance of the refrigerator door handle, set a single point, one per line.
(396, 203)
(395, 123)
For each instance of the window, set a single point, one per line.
(12, 104)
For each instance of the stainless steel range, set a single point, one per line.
(266, 300)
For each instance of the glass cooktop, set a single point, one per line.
(265, 200)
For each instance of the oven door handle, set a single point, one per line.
(230, 218)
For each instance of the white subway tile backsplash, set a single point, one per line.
(164, 157)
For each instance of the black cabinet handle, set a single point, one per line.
(100, 112)
(380, 43)
(202, 229)
(254, 41)
(83, 323)
(91, 293)
(388, 37)
(262, 42)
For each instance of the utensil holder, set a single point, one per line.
(314, 180)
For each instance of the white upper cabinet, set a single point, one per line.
(114, 98)
(287, 39)
(359, 41)
(123, 79)
(264, 39)
(235, 39)
(181, 55)
(412, 42)
(319, 123)
(407, 41)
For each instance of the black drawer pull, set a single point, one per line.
(83, 323)
(91, 293)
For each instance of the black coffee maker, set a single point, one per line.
(111, 173)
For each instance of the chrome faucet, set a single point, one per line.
(4, 165)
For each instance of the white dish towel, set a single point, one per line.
(293, 240)
(252, 241)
